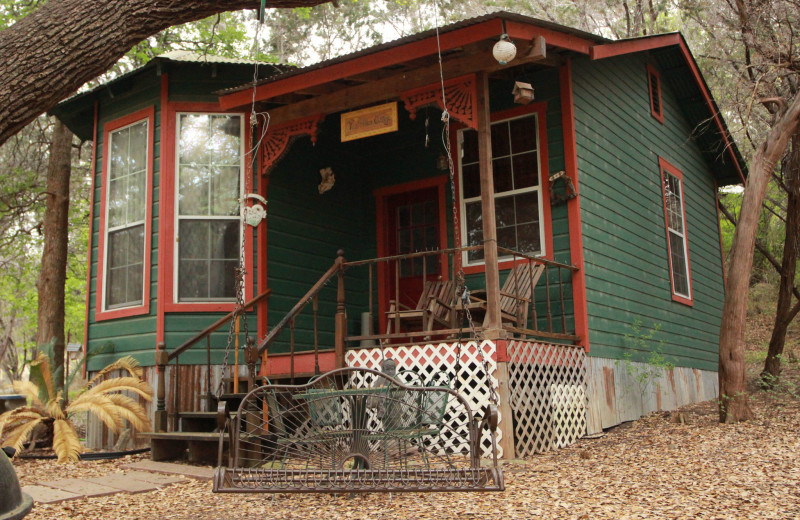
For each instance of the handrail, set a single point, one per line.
(538, 259)
(214, 326)
(337, 266)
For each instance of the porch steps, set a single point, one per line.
(202, 446)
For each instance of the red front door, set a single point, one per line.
(413, 225)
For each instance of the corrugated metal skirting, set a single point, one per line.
(621, 391)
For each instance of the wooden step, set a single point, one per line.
(202, 446)
(198, 421)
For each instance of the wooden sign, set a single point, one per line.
(367, 122)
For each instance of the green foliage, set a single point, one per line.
(650, 369)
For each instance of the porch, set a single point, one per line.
(528, 358)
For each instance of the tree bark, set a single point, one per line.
(53, 274)
(734, 405)
(65, 43)
(784, 314)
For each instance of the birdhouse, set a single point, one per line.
(523, 93)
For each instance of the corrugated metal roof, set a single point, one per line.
(196, 57)
(502, 15)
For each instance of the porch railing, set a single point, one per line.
(164, 358)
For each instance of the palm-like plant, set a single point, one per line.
(101, 397)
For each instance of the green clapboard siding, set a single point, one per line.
(136, 336)
(622, 213)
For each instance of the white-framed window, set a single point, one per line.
(677, 239)
(125, 214)
(516, 164)
(209, 180)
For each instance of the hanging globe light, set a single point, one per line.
(504, 50)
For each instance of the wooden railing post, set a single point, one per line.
(341, 313)
(162, 358)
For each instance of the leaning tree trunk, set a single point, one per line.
(65, 43)
(53, 274)
(784, 313)
(733, 404)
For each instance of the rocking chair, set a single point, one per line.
(516, 294)
(435, 309)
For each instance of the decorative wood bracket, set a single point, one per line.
(460, 92)
(277, 140)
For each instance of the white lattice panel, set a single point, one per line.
(431, 360)
(548, 395)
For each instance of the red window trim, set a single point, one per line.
(167, 192)
(674, 171)
(100, 314)
(540, 109)
(659, 115)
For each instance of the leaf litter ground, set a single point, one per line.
(679, 465)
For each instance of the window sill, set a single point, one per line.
(683, 300)
(199, 307)
(125, 312)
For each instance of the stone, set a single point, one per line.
(48, 495)
(81, 487)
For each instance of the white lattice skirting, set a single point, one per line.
(429, 361)
(548, 395)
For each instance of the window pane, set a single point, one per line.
(504, 211)
(526, 170)
(222, 278)
(224, 239)
(116, 202)
(672, 193)
(193, 147)
(225, 191)
(680, 279)
(137, 197)
(208, 252)
(528, 238)
(507, 237)
(417, 215)
(527, 207)
(500, 145)
(523, 134)
(125, 279)
(138, 147)
(469, 146)
(193, 190)
(431, 215)
(474, 225)
(224, 139)
(502, 175)
(471, 177)
(119, 153)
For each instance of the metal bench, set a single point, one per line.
(345, 432)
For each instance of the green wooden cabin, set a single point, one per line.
(607, 177)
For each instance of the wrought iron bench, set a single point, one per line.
(344, 432)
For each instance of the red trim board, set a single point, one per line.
(100, 314)
(89, 249)
(673, 170)
(162, 208)
(281, 364)
(579, 302)
(658, 115)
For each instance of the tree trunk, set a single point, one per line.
(65, 43)
(784, 314)
(53, 274)
(734, 405)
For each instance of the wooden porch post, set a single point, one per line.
(162, 358)
(340, 324)
(492, 327)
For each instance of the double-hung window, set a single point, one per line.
(126, 205)
(517, 188)
(209, 180)
(677, 239)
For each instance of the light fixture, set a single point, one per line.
(504, 50)
(523, 92)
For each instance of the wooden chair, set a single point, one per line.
(515, 295)
(435, 308)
